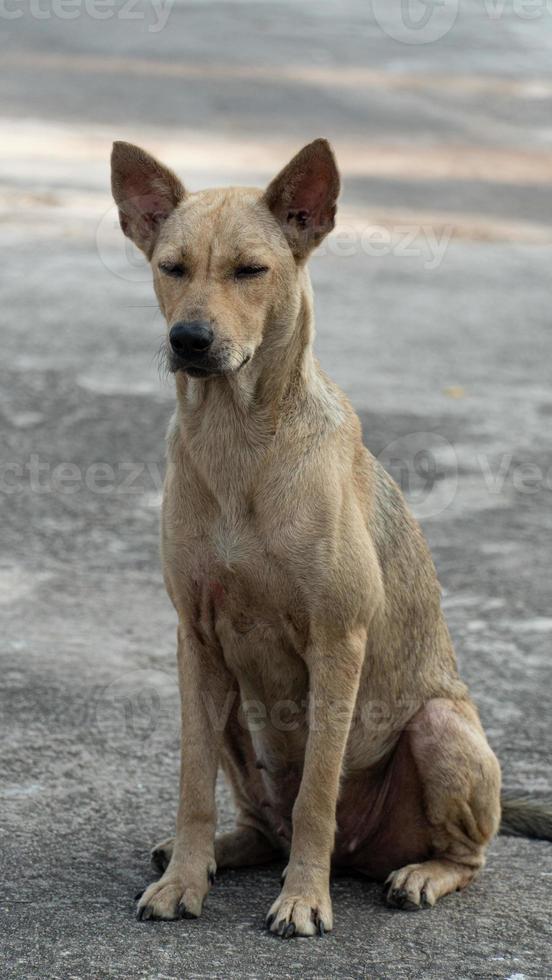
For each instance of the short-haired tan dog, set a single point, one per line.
(314, 662)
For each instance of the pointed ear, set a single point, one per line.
(145, 192)
(303, 197)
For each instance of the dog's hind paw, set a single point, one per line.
(410, 888)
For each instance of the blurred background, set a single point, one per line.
(433, 312)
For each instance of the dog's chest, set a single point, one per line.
(245, 597)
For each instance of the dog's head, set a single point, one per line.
(226, 263)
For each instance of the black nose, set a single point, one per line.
(193, 337)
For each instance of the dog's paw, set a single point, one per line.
(300, 915)
(175, 896)
(161, 854)
(410, 888)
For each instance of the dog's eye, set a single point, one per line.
(174, 269)
(249, 271)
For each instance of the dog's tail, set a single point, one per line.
(526, 818)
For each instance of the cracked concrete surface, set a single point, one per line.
(446, 354)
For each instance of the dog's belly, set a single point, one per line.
(381, 821)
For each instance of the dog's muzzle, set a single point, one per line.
(192, 349)
(190, 342)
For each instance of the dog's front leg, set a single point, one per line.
(205, 690)
(303, 906)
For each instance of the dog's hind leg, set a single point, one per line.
(460, 780)
(239, 848)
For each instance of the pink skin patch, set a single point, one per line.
(217, 593)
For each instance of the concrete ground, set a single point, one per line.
(433, 306)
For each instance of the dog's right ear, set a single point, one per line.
(145, 191)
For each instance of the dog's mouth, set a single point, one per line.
(195, 371)
(204, 370)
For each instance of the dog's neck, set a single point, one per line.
(227, 425)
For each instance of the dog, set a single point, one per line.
(314, 662)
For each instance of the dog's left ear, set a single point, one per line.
(303, 197)
(145, 191)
